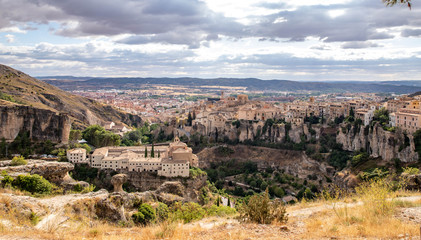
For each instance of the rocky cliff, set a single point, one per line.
(41, 124)
(378, 142)
(260, 130)
(146, 181)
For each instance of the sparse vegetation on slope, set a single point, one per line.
(16, 86)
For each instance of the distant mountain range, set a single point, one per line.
(398, 87)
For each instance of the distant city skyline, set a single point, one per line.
(292, 40)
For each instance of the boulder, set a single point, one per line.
(111, 208)
(175, 188)
(74, 185)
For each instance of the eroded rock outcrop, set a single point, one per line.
(147, 181)
(117, 181)
(41, 124)
(56, 172)
(378, 142)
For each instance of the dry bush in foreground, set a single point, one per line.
(260, 209)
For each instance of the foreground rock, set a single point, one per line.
(53, 171)
(116, 207)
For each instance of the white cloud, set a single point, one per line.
(12, 30)
(10, 38)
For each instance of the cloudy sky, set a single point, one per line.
(295, 40)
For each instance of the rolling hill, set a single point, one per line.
(26, 90)
(249, 83)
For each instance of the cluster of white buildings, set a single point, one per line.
(173, 160)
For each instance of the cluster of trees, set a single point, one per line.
(22, 145)
(144, 135)
(99, 137)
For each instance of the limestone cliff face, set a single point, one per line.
(41, 124)
(254, 130)
(378, 142)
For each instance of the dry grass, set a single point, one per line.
(354, 223)
(369, 213)
(373, 215)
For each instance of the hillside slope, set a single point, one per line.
(29, 91)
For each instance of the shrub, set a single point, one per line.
(17, 161)
(34, 218)
(220, 211)
(261, 210)
(33, 184)
(338, 159)
(411, 170)
(145, 215)
(138, 218)
(196, 172)
(77, 188)
(6, 181)
(359, 158)
(187, 212)
(162, 212)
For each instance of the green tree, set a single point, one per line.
(75, 135)
(152, 151)
(132, 138)
(99, 137)
(351, 112)
(87, 147)
(382, 116)
(146, 151)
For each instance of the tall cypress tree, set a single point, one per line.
(146, 151)
(152, 151)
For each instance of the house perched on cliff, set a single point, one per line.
(77, 155)
(171, 160)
